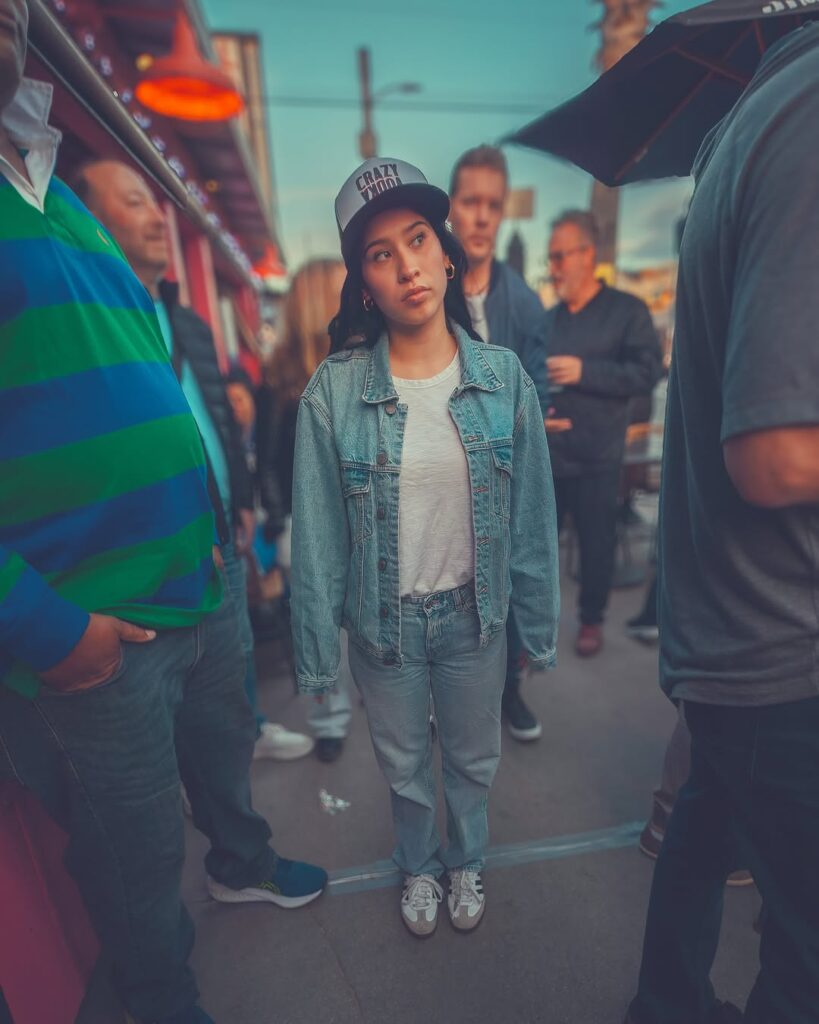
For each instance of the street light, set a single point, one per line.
(366, 140)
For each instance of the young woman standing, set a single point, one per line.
(422, 504)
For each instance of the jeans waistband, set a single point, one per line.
(457, 598)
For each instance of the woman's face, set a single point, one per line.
(404, 268)
(241, 401)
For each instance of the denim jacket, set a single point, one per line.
(345, 507)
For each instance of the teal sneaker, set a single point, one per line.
(291, 884)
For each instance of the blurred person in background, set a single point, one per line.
(603, 351)
(504, 311)
(122, 201)
(310, 305)
(422, 507)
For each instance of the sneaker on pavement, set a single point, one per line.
(644, 628)
(328, 748)
(466, 900)
(279, 744)
(589, 641)
(291, 884)
(520, 721)
(419, 904)
(651, 839)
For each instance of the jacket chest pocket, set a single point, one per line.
(356, 483)
(500, 474)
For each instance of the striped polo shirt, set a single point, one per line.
(103, 495)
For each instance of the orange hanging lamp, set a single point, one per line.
(185, 86)
(270, 265)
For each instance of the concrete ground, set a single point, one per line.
(566, 887)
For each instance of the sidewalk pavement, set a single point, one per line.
(566, 886)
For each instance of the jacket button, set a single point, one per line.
(381, 458)
(384, 612)
(390, 409)
(382, 564)
(382, 512)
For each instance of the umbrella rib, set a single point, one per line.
(715, 67)
(760, 39)
(680, 106)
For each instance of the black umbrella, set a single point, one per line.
(646, 117)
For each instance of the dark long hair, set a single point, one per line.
(354, 325)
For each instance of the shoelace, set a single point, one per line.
(466, 887)
(421, 890)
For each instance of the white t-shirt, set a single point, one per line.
(435, 536)
(476, 304)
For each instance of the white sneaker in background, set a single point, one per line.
(419, 904)
(466, 900)
(276, 743)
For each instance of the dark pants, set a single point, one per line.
(591, 500)
(107, 764)
(515, 657)
(752, 800)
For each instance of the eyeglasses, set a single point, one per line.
(558, 256)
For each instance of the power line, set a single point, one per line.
(416, 106)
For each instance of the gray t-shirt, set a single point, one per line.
(739, 584)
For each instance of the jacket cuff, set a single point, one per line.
(315, 687)
(549, 660)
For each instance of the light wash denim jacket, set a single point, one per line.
(345, 507)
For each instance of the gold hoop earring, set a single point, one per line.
(450, 271)
(368, 302)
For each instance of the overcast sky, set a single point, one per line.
(512, 60)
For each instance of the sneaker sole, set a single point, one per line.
(653, 854)
(283, 755)
(419, 935)
(740, 883)
(465, 930)
(223, 894)
(525, 735)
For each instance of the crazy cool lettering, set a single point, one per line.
(379, 179)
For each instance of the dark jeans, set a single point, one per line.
(107, 764)
(591, 500)
(752, 799)
(515, 657)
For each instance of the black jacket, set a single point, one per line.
(193, 342)
(615, 337)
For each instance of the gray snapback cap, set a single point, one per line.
(379, 184)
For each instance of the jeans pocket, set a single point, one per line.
(118, 673)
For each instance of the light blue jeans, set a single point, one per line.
(441, 656)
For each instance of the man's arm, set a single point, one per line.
(775, 468)
(69, 649)
(635, 370)
(770, 374)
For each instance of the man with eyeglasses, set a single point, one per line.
(604, 351)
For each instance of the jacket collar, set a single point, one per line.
(475, 369)
(169, 294)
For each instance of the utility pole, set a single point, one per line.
(366, 140)
(623, 25)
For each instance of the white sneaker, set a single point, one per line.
(466, 900)
(419, 904)
(279, 744)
